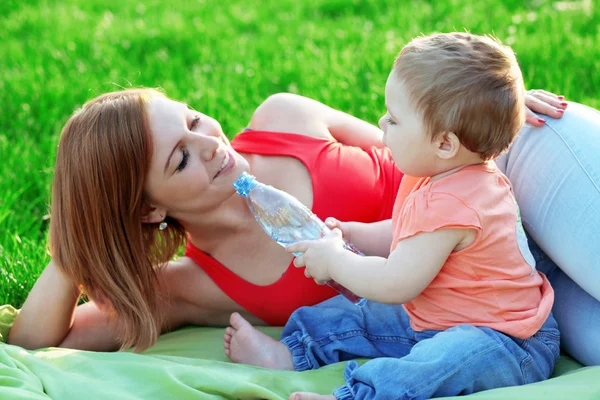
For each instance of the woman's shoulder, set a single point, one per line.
(196, 294)
(290, 113)
(182, 275)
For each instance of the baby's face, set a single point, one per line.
(404, 132)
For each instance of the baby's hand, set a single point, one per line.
(344, 227)
(318, 255)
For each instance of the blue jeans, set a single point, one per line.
(413, 365)
(555, 172)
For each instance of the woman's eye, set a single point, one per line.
(194, 123)
(390, 121)
(184, 160)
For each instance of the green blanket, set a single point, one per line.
(190, 364)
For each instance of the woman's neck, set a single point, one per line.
(230, 219)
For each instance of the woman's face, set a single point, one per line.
(193, 165)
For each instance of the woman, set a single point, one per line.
(135, 171)
(555, 172)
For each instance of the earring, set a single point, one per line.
(162, 226)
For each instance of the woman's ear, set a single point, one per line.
(152, 214)
(447, 145)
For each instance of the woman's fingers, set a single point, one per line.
(533, 119)
(546, 98)
(535, 92)
(543, 102)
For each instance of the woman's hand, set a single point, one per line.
(545, 103)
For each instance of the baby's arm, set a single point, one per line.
(373, 239)
(410, 268)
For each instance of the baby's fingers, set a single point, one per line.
(299, 263)
(298, 247)
(335, 233)
(333, 223)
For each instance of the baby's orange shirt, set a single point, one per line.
(493, 282)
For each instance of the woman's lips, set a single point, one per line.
(229, 165)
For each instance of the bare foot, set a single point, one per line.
(311, 396)
(244, 344)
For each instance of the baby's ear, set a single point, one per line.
(447, 145)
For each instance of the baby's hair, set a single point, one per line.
(467, 84)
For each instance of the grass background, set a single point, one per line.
(224, 57)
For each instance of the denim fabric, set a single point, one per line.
(409, 364)
(555, 172)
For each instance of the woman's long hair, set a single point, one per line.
(96, 232)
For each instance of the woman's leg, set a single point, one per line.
(555, 172)
(576, 310)
(338, 330)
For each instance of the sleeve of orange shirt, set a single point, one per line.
(430, 211)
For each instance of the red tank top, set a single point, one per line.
(349, 184)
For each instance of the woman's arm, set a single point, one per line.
(50, 316)
(47, 315)
(290, 113)
(92, 330)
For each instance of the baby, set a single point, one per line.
(456, 304)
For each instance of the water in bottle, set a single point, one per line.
(285, 219)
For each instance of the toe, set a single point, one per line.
(237, 321)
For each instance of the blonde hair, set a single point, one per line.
(96, 232)
(467, 84)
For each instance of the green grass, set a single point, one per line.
(225, 57)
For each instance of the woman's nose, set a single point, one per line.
(207, 145)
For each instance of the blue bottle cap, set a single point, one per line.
(244, 184)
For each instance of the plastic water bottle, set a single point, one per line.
(285, 219)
